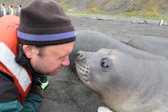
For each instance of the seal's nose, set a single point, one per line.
(80, 55)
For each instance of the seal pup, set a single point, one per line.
(151, 44)
(125, 82)
(89, 40)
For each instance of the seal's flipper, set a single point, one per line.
(103, 109)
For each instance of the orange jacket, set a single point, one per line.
(8, 51)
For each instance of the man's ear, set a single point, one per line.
(30, 50)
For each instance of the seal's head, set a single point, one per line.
(94, 68)
(111, 74)
(103, 72)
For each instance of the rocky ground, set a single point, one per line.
(66, 93)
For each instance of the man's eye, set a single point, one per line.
(62, 57)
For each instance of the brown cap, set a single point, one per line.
(44, 23)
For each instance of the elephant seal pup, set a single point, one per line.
(125, 82)
(151, 44)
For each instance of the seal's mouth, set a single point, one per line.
(82, 68)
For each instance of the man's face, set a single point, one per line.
(51, 58)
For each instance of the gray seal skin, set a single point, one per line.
(151, 44)
(125, 82)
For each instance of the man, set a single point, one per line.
(37, 44)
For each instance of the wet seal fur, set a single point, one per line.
(132, 81)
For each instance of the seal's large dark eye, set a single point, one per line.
(106, 64)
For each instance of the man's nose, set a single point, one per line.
(66, 61)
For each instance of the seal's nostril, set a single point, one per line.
(80, 55)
